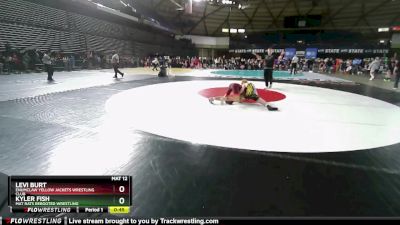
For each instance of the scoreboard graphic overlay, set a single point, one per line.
(70, 194)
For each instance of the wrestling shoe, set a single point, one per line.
(271, 108)
(211, 100)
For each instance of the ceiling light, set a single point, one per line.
(383, 29)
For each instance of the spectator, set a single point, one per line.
(396, 72)
(390, 69)
(65, 62)
(71, 62)
(48, 66)
(26, 60)
(374, 68)
(2, 59)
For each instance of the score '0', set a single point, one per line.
(122, 190)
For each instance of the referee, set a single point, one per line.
(115, 63)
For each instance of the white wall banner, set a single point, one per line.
(320, 51)
(206, 41)
(396, 41)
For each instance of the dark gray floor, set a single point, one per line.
(173, 178)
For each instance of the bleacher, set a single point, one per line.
(28, 37)
(95, 26)
(20, 11)
(26, 25)
(101, 44)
